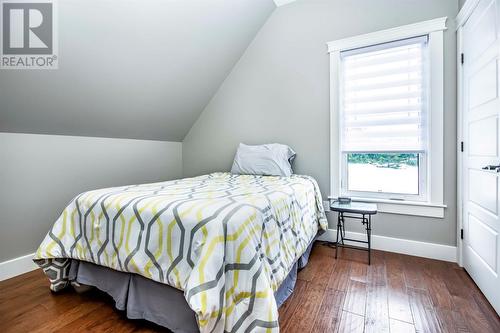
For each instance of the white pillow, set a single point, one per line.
(270, 160)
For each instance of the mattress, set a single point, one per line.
(227, 241)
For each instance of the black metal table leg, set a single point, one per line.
(369, 237)
(340, 230)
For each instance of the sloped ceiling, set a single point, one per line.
(283, 2)
(142, 69)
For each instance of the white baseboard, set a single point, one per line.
(398, 245)
(17, 266)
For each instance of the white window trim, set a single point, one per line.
(434, 206)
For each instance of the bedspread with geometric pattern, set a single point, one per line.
(227, 241)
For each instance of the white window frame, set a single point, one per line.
(432, 203)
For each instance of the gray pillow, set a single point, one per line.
(270, 160)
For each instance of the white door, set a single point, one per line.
(481, 110)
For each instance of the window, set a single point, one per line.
(383, 120)
(385, 173)
(386, 114)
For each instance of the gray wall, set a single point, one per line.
(279, 92)
(127, 69)
(131, 69)
(40, 174)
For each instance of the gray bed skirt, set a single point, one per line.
(161, 304)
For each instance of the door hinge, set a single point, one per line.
(461, 233)
(462, 146)
(462, 58)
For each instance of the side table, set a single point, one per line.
(354, 210)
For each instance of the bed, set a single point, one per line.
(219, 251)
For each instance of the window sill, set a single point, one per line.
(404, 207)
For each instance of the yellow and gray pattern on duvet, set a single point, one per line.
(227, 241)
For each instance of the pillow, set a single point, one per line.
(269, 160)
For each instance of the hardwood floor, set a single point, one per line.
(397, 293)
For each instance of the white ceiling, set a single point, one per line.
(283, 2)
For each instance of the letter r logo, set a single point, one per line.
(27, 28)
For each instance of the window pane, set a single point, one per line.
(386, 173)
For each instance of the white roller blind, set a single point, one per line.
(384, 102)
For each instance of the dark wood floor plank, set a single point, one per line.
(30, 321)
(414, 274)
(377, 271)
(330, 312)
(473, 316)
(308, 273)
(314, 265)
(288, 308)
(397, 293)
(481, 303)
(358, 272)
(326, 265)
(355, 300)
(353, 255)
(397, 326)
(351, 323)
(487, 311)
(452, 321)
(86, 323)
(15, 307)
(339, 280)
(80, 316)
(304, 316)
(398, 298)
(424, 314)
(435, 284)
(377, 306)
(377, 309)
(38, 284)
(453, 282)
(324, 249)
